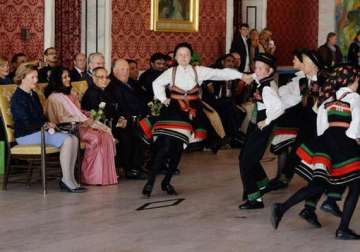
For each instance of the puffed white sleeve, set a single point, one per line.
(354, 129)
(273, 105)
(292, 88)
(322, 122)
(207, 73)
(159, 85)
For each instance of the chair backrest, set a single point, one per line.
(80, 87)
(6, 91)
(40, 87)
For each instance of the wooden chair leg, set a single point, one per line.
(30, 171)
(7, 172)
(43, 161)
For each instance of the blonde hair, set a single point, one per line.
(23, 70)
(3, 61)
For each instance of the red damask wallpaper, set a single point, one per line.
(67, 29)
(132, 38)
(294, 24)
(15, 14)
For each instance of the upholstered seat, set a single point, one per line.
(32, 149)
(80, 87)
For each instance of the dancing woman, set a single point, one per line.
(334, 156)
(182, 112)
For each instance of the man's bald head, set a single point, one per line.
(121, 70)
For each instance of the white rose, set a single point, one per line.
(102, 105)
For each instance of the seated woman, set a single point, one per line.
(98, 166)
(4, 72)
(28, 118)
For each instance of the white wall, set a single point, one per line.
(229, 23)
(99, 40)
(49, 24)
(327, 19)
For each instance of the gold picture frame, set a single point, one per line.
(175, 15)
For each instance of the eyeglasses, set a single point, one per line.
(101, 77)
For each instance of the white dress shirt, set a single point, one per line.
(247, 61)
(353, 131)
(271, 103)
(185, 78)
(290, 94)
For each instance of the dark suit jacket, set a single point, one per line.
(146, 79)
(239, 46)
(327, 56)
(76, 76)
(89, 79)
(125, 101)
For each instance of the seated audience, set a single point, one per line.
(157, 67)
(4, 72)
(94, 60)
(79, 70)
(16, 61)
(98, 165)
(129, 108)
(28, 118)
(134, 77)
(96, 94)
(50, 61)
(221, 95)
(237, 59)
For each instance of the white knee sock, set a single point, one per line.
(66, 160)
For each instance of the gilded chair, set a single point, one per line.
(32, 154)
(80, 87)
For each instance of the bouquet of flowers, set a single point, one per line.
(155, 107)
(98, 115)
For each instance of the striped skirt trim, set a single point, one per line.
(308, 172)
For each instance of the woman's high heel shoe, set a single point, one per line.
(147, 190)
(65, 188)
(169, 189)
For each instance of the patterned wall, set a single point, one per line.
(294, 24)
(132, 38)
(15, 14)
(67, 29)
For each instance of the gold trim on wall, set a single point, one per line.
(190, 23)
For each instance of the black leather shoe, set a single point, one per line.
(65, 188)
(347, 234)
(169, 189)
(147, 190)
(251, 205)
(310, 217)
(332, 208)
(276, 184)
(135, 174)
(276, 215)
(176, 172)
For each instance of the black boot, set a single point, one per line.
(169, 189)
(331, 207)
(346, 234)
(147, 190)
(251, 204)
(276, 184)
(276, 215)
(310, 216)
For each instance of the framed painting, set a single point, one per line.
(175, 15)
(347, 22)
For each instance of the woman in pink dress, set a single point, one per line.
(63, 106)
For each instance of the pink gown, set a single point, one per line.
(98, 164)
